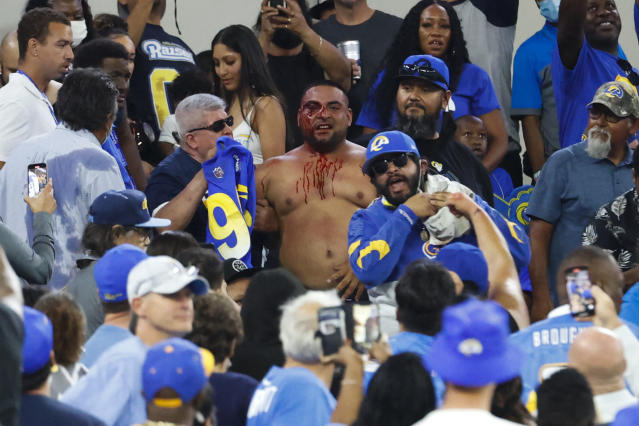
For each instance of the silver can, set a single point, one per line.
(350, 49)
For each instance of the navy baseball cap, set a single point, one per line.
(176, 364)
(467, 261)
(387, 143)
(425, 67)
(473, 349)
(38, 340)
(234, 269)
(128, 207)
(112, 269)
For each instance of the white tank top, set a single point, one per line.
(249, 139)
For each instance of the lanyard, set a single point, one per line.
(44, 95)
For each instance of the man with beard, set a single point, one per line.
(297, 56)
(314, 190)
(575, 182)
(423, 97)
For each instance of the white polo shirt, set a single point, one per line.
(25, 112)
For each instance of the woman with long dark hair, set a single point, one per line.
(432, 27)
(242, 78)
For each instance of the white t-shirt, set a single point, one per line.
(81, 170)
(462, 417)
(24, 113)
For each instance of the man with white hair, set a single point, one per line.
(598, 354)
(299, 391)
(176, 186)
(575, 182)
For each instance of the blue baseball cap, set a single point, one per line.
(176, 364)
(128, 207)
(467, 261)
(426, 67)
(112, 270)
(473, 349)
(38, 340)
(627, 417)
(388, 143)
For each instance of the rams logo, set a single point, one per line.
(614, 91)
(378, 143)
(437, 165)
(430, 251)
(470, 347)
(144, 205)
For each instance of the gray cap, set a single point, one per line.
(619, 97)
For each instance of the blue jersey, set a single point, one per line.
(575, 88)
(159, 59)
(290, 396)
(545, 345)
(112, 146)
(231, 200)
(502, 184)
(383, 239)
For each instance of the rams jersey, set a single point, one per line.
(159, 59)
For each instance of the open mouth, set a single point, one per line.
(606, 25)
(324, 127)
(397, 184)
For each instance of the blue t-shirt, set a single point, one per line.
(112, 146)
(533, 93)
(233, 393)
(36, 410)
(290, 396)
(575, 88)
(101, 340)
(571, 188)
(502, 184)
(474, 95)
(630, 306)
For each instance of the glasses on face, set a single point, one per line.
(596, 113)
(423, 70)
(217, 126)
(381, 166)
(630, 73)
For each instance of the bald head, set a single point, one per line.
(9, 55)
(598, 354)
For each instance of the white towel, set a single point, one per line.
(445, 226)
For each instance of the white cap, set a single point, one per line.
(163, 275)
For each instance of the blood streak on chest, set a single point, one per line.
(319, 176)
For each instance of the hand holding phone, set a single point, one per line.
(275, 3)
(579, 289)
(331, 329)
(362, 321)
(37, 178)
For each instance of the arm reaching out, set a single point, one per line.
(570, 30)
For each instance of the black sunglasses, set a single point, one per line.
(630, 73)
(422, 70)
(381, 166)
(217, 126)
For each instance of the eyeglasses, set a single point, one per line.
(381, 166)
(217, 126)
(595, 113)
(422, 70)
(630, 73)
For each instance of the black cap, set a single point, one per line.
(234, 269)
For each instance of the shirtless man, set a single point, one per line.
(314, 190)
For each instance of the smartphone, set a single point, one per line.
(332, 328)
(37, 178)
(275, 3)
(362, 325)
(578, 286)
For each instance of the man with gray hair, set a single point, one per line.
(177, 185)
(299, 391)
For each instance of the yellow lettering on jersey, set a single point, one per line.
(158, 79)
(235, 224)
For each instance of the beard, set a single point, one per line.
(413, 183)
(285, 39)
(598, 143)
(324, 146)
(421, 127)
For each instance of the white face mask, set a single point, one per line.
(79, 29)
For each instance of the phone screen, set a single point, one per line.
(332, 328)
(365, 326)
(36, 178)
(275, 3)
(578, 286)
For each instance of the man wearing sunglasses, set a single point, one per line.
(176, 187)
(575, 182)
(587, 55)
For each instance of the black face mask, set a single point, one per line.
(286, 39)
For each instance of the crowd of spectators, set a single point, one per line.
(321, 220)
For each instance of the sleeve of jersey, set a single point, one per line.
(516, 238)
(374, 251)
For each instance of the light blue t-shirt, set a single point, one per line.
(630, 306)
(290, 396)
(102, 339)
(112, 389)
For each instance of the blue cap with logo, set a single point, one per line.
(387, 143)
(112, 270)
(467, 261)
(473, 349)
(128, 207)
(426, 67)
(176, 364)
(38, 340)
